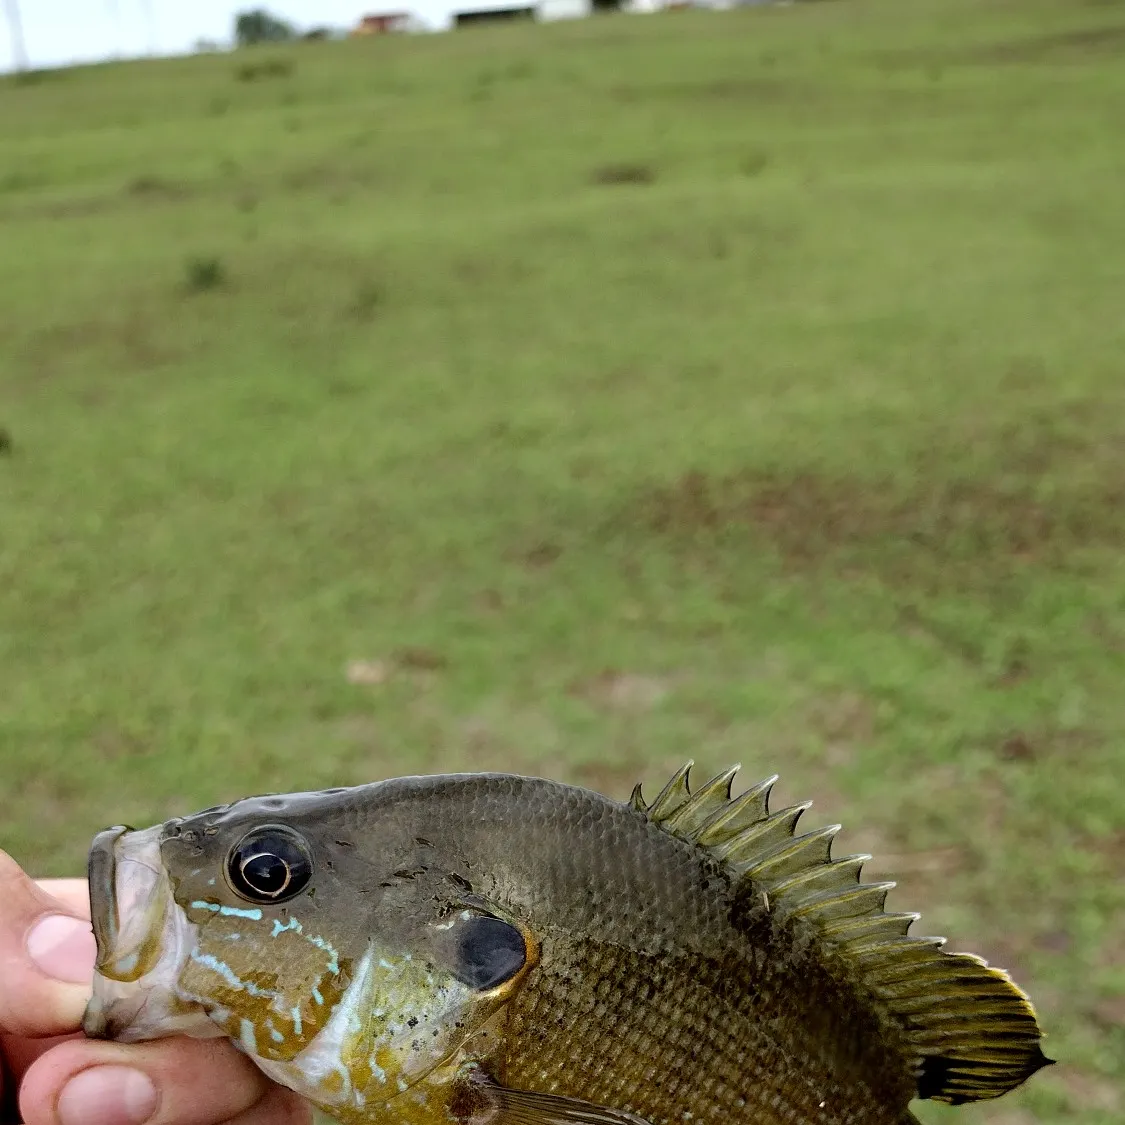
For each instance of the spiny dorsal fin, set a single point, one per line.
(973, 1032)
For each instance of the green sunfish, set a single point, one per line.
(488, 949)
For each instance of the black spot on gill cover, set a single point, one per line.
(489, 952)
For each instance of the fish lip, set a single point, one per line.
(101, 876)
(142, 938)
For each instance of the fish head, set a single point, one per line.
(349, 965)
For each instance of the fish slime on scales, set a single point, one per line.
(490, 949)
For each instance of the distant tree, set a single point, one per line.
(259, 26)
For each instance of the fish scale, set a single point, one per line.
(488, 949)
(645, 1066)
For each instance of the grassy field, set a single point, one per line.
(577, 400)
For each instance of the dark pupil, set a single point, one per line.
(489, 952)
(270, 865)
(266, 873)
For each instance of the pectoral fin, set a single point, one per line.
(497, 1105)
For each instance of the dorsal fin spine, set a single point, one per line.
(743, 810)
(750, 846)
(690, 817)
(672, 796)
(796, 855)
(858, 928)
(818, 880)
(852, 902)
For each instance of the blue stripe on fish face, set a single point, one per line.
(333, 956)
(210, 961)
(264, 969)
(254, 915)
(295, 926)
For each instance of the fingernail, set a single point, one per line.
(63, 948)
(107, 1095)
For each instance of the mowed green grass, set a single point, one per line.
(577, 400)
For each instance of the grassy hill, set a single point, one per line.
(576, 400)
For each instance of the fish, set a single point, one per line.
(493, 949)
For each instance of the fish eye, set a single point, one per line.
(488, 951)
(269, 864)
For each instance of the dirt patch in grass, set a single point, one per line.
(114, 743)
(623, 691)
(1111, 850)
(810, 516)
(334, 179)
(132, 342)
(1077, 45)
(623, 173)
(1058, 46)
(155, 188)
(540, 556)
(1039, 494)
(747, 89)
(61, 207)
(1056, 745)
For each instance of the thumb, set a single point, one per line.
(47, 956)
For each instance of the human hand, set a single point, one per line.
(55, 1076)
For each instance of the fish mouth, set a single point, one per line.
(143, 940)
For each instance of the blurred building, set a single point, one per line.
(487, 11)
(494, 11)
(564, 9)
(681, 5)
(384, 23)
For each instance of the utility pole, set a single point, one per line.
(15, 25)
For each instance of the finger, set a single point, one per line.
(168, 1082)
(19, 1053)
(278, 1107)
(46, 958)
(72, 893)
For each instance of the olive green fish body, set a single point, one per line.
(663, 1037)
(651, 959)
(497, 949)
